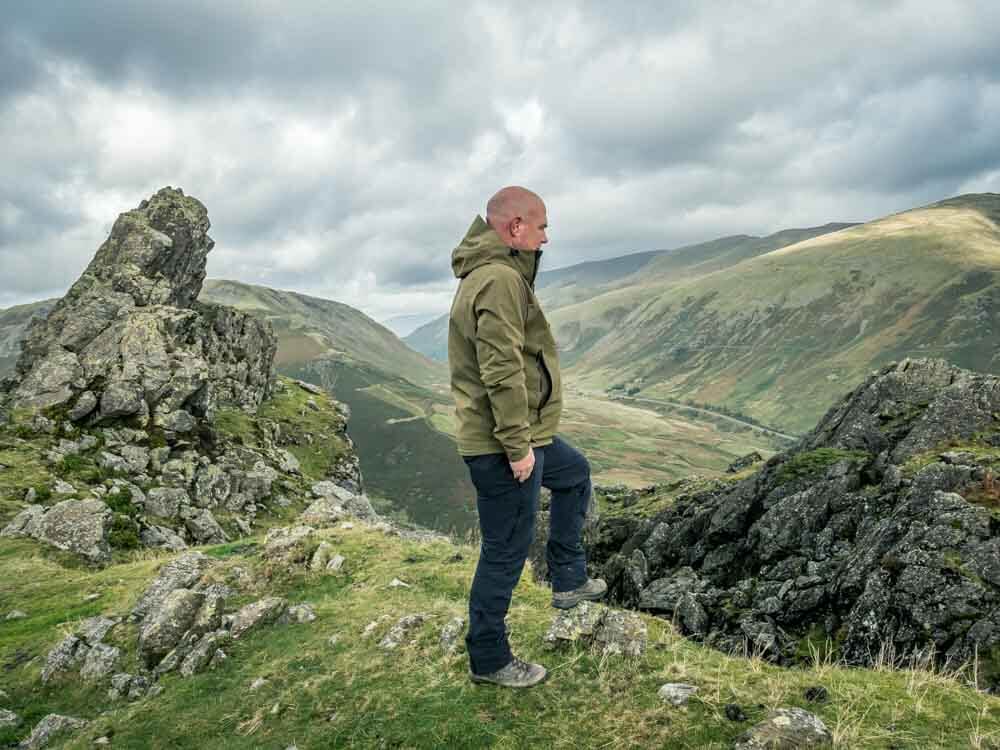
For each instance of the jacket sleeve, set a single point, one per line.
(500, 309)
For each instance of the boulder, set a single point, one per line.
(298, 614)
(324, 511)
(161, 536)
(166, 502)
(676, 693)
(202, 526)
(288, 544)
(100, 663)
(354, 504)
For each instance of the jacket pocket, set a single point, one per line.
(544, 381)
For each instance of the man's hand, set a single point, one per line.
(522, 469)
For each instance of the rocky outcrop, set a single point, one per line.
(78, 526)
(869, 534)
(129, 339)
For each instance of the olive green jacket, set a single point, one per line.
(504, 365)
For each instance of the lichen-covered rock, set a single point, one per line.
(288, 544)
(579, 623)
(68, 654)
(676, 693)
(180, 573)
(166, 502)
(298, 614)
(263, 612)
(401, 631)
(25, 523)
(161, 536)
(786, 729)
(202, 526)
(325, 511)
(621, 633)
(201, 655)
(52, 727)
(322, 556)
(78, 526)
(164, 627)
(100, 663)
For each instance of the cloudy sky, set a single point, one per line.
(342, 149)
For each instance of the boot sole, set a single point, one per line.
(569, 604)
(484, 681)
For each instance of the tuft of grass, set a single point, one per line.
(812, 463)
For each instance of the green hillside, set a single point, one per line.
(777, 336)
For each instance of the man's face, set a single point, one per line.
(528, 232)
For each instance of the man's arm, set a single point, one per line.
(500, 310)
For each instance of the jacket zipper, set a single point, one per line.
(548, 377)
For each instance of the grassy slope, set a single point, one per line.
(779, 335)
(352, 694)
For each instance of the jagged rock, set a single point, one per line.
(164, 627)
(161, 536)
(451, 633)
(676, 693)
(25, 523)
(287, 463)
(211, 486)
(263, 612)
(786, 729)
(100, 662)
(94, 629)
(325, 511)
(131, 687)
(210, 614)
(297, 613)
(399, 632)
(166, 502)
(202, 526)
(84, 405)
(288, 544)
(112, 462)
(322, 556)
(68, 654)
(180, 573)
(176, 421)
(136, 458)
(53, 726)
(354, 504)
(843, 537)
(9, 719)
(61, 487)
(201, 655)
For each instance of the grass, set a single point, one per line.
(812, 463)
(352, 694)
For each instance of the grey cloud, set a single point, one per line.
(342, 149)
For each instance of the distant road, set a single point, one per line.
(710, 412)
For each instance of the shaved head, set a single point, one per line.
(518, 216)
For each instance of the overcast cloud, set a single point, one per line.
(342, 149)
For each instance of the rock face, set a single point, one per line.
(868, 534)
(129, 338)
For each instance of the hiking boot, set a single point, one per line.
(517, 674)
(593, 589)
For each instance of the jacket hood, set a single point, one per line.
(482, 245)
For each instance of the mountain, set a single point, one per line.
(309, 328)
(396, 397)
(776, 335)
(564, 287)
(404, 325)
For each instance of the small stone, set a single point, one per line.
(395, 583)
(16, 614)
(450, 634)
(30, 495)
(336, 563)
(9, 719)
(676, 693)
(63, 488)
(401, 631)
(333, 640)
(322, 556)
(257, 684)
(101, 741)
(347, 525)
(92, 597)
(373, 625)
(298, 613)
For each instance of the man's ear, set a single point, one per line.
(515, 226)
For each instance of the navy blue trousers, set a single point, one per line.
(507, 527)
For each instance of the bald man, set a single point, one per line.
(508, 398)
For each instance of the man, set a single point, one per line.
(508, 398)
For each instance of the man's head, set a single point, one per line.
(518, 216)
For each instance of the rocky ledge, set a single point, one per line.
(877, 538)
